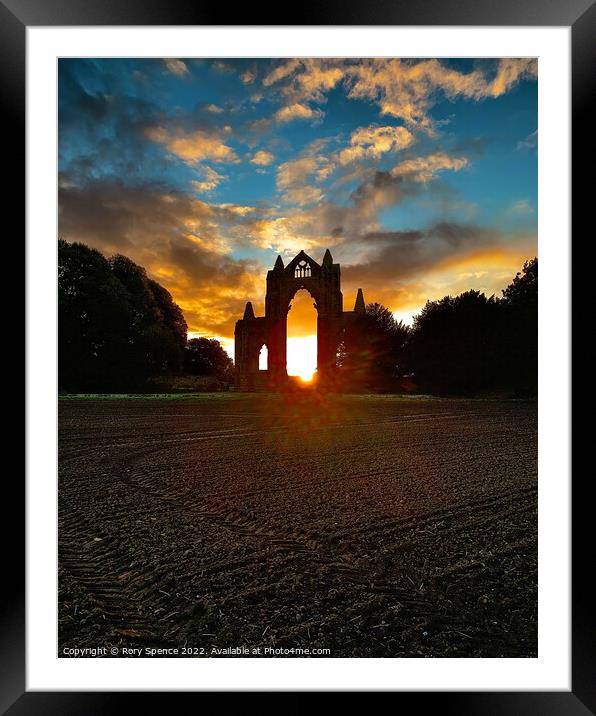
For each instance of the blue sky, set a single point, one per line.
(419, 175)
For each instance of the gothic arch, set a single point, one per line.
(323, 282)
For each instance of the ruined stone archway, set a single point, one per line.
(323, 282)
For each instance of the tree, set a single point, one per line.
(169, 333)
(94, 318)
(205, 356)
(117, 327)
(520, 330)
(522, 292)
(373, 349)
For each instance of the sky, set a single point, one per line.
(420, 175)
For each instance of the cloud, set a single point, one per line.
(297, 179)
(299, 183)
(372, 142)
(187, 244)
(510, 71)
(236, 209)
(281, 72)
(249, 76)
(522, 206)
(195, 146)
(293, 178)
(315, 225)
(211, 180)
(103, 134)
(284, 234)
(388, 188)
(382, 190)
(296, 111)
(176, 67)
(263, 158)
(223, 67)
(529, 143)
(309, 79)
(424, 169)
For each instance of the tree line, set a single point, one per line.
(118, 330)
(465, 344)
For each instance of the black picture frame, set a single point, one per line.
(580, 15)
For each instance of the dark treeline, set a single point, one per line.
(466, 344)
(118, 329)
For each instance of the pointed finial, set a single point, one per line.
(327, 259)
(359, 306)
(279, 264)
(248, 311)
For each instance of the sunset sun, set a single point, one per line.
(302, 337)
(302, 357)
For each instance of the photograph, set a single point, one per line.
(297, 357)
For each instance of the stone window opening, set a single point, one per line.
(302, 270)
(264, 358)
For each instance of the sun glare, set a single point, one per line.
(302, 357)
(302, 338)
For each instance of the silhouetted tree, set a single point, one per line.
(205, 356)
(117, 327)
(372, 353)
(520, 330)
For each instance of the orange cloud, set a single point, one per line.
(195, 146)
(423, 169)
(309, 78)
(297, 111)
(262, 158)
(176, 67)
(280, 72)
(248, 76)
(211, 180)
(372, 142)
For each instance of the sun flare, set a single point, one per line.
(302, 337)
(302, 357)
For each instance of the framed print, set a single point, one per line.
(301, 420)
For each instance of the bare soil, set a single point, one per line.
(370, 526)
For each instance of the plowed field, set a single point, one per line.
(368, 526)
